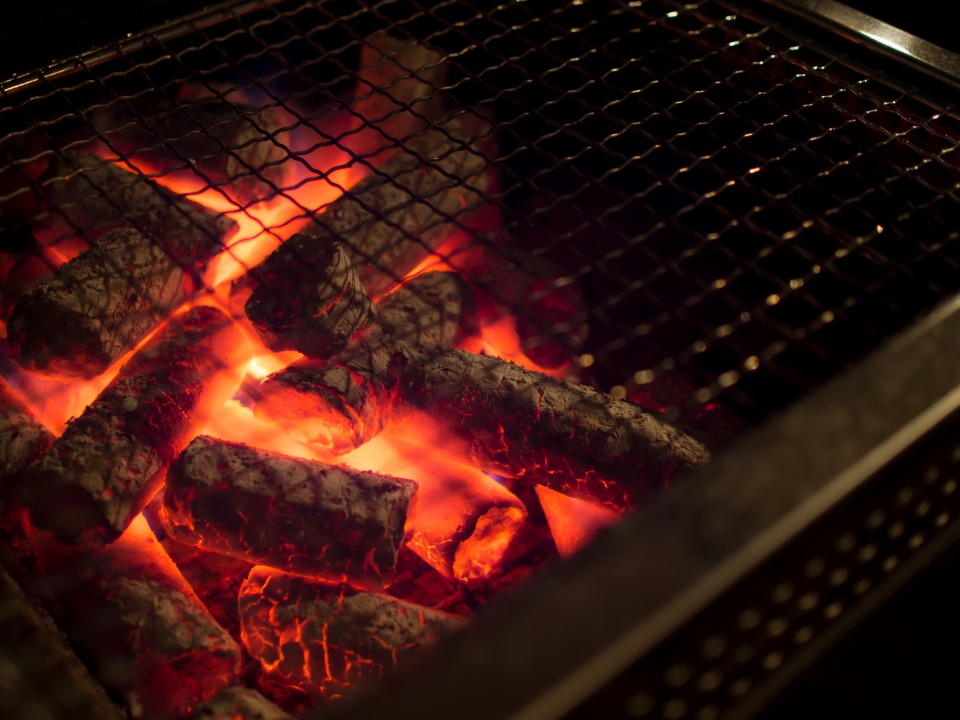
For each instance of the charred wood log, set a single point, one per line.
(97, 307)
(326, 307)
(388, 223)
(239, 703)
(88, 196)
(22, 440)
(284, 512)
(570, 438)
(398, 85)
(109, 462)
(49, 679)
(22, 437)
(213, 576)
(138, 625)
(231, 143)
(340, 403)
(345, 640)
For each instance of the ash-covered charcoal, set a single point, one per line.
(213, 576)
(48, 678)
(109, 462)
(398, 84)
(239, 703)
(88, 196)
(309, 299)
(388, 223)
(220, 135)
(96, 307)
(285, 512)
(22, 437)
(138, 625)
(331, 640)
(571, 438)
(22, 440)
(340, 403)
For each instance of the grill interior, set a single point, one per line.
(744, 212)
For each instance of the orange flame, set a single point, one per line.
(573, 522)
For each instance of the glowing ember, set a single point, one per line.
(574, 522)
(131, 612)
(284, 512)
(331, 640)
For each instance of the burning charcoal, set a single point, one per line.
(138, 625)
(239, 703)
(421, 584)
(339, 403)
(331, 640)
(220, 136)
(22, 438)
(570, 438)
(329, 304)
(89, 196)
(397, 91)
(214, 577)
(96, 307)
(110, 461)
(388, 222)
(545, 300)
(49, 680)
(286, 512)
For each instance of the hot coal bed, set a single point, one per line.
(326, 327)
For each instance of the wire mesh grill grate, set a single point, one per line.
(744, 213)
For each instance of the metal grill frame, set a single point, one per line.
(845, 496)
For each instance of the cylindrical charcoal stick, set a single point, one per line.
(96, 307)
(239, 703)
(109, 462)
(22, 440)
(341, 403)
(331, 640)
(398, 84)
(22, 437)
(314, 303)
(388, 223)
(88, 196)
(284, 512)
(571, 438)
(137, 623)
(49, 680)
(230, 143)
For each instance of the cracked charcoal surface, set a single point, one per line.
(51, 680)
(231, 144)
(571, 438)
(388, 223)
(310, 299)
(97, 306)
(22, 437)
(352, 392)
(285, 512)
(108, 463)
(138, 625)
(88, 196)
(341, 640)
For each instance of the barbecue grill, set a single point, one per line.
(756, 219)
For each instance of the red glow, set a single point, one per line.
(573, 522)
